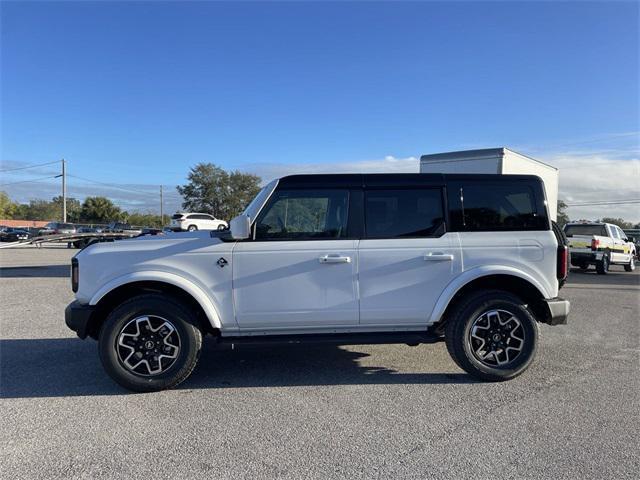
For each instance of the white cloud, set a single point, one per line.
(592, 178)
(388, 164)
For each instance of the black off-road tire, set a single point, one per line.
(181, 317)
(602, 267)
(458, 328)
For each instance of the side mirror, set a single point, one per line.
(240, 227)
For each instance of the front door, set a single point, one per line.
(406, 259)
(299, 270)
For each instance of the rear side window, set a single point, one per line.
(404, 213)
(478, 207)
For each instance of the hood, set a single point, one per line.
(190, 255)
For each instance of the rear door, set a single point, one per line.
(406, 257)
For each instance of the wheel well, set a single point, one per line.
(118, 295)
(517, 286)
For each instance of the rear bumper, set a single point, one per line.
(578, 258)
(77, 316)
(559, 309)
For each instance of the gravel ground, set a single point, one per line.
(387, 411)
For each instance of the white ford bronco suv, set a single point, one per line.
(472, 260)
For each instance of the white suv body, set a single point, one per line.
(196, 221)
(403, 258)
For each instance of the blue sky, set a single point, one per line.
(136, 93)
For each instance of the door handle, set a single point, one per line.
(438, 257)
(334, 259)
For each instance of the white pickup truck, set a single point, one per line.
(599, 244)
(472, 260)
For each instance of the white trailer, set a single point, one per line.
(495, 160)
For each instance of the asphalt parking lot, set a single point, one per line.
(388, 411)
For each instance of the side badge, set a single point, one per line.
(221, 262)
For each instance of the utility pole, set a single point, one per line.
(161, 209)
(64, 192)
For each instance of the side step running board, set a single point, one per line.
(411, 338)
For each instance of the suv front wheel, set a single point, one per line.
(149, 343)
(492, 336)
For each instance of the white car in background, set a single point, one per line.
(196, 221)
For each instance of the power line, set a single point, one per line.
(28, 181)
(613, 202)
(28, 166)
(138, 192)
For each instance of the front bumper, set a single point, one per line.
(559, 309)
(77, 316)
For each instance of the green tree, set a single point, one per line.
(563, 217)
(99, 210)
(74, 208)
(213, 190)
(617, 221)
(146, 219)
(7, 207)
(42, 210)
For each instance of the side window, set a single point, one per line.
(615, 232)
(621, 234)
(304, 215)
(404, 213)
(495, 207)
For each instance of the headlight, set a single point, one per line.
(75, 274)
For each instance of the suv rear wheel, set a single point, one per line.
(192, 228)
(150, 343)
(492, 336)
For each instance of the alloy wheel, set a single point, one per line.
(496, 338)
(148, 345)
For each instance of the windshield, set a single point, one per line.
(586, 229)
(176, 216)
(256, 204)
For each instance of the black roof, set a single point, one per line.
(357, 180)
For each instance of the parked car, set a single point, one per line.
(89, 230)
(196, 221)
(57, 228)
(151, 231)
(121, 227)
(10, 234)
(471, 260)
(599, 244)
